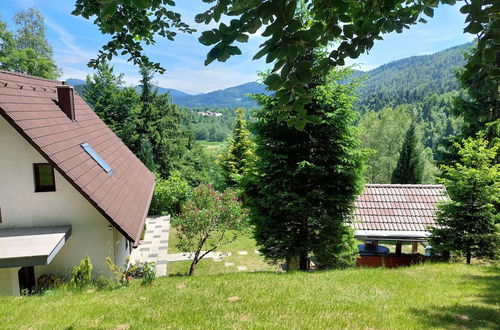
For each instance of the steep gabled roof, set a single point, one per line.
(394, 207)
(29, 104)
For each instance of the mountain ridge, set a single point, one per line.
(397, 82)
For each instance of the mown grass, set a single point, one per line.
(212, 148)
(420, 297)
(229, 264)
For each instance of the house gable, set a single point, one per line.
(30, 106)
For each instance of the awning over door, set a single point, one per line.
(22, 247)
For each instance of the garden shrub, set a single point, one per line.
(169, 194)
(148, 273)
(102, 282)
(125, 274)
(82, 274)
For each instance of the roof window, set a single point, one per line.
(95, 156)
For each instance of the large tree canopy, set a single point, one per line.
(353, 25)
(27, 50)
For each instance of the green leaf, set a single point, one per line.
(242, 38)
(291, 122)
(300, 125)
(141, 4)
(109, 9)
(473, 28)
(272, 80)
(429, 11)
(312, 119)
(208, 38)
(465, 9)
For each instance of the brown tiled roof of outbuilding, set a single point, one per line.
(394, 207)
(28, 104)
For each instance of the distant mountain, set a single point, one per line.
(232, 97)
(404, 81)
(75, 82)
(173, 92)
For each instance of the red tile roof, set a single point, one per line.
(394, 207)
(27, 103)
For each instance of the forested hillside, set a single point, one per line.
(411, 79)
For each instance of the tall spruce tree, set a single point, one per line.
(159, 123)
(239, 156)
(468, 220)
(305, 182)
(409, 169)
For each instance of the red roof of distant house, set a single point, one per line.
(28, 104)
(394, 207)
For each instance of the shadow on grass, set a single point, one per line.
(484, 315)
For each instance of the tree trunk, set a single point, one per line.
(197, 255)
(293, 263)
(304, 236)
(194, 263)
(469, 256)
(304, 261)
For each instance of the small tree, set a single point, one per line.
(409, 168)
(82, 274)
(467, 221)
(209, 219)
(239, 156)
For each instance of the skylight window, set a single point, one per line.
(95, 156)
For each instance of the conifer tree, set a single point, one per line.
(467, 222)
(159, 122)
(239, 156)
(409, 169)
(115, 105)
(304, 184)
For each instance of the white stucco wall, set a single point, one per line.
(91, 235)
(9, 283)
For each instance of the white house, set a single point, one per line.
(69, 187)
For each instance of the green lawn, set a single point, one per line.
(421, 297)
(253, 261)
(211, 147)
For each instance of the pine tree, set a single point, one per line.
(467, 222)
(239, 156)
(305, 182)
(409, 169)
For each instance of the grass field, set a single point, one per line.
(421, 297)
(211, 147)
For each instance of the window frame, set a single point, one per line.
(36, 172)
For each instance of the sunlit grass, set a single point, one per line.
(229, 264)
(419, 297)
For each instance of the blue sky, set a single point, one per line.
(76, 40)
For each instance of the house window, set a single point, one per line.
(44, 177)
